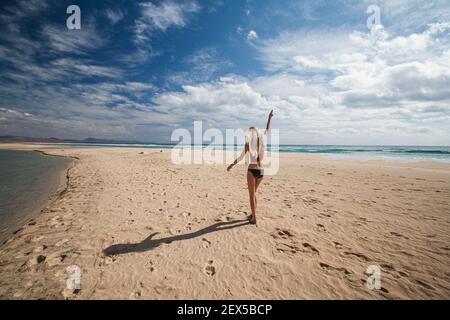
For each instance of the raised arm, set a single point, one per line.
(239, 158)
(269, 123)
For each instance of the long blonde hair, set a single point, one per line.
(252, 138)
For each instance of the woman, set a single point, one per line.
(254, 145)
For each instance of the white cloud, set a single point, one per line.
(53, 85)
(74, 42)
(364, 63)
(157, 18)
(105, 109)
(226, 101)
(114, 16)
(394, 76)
(410, 16)
(336, 87)
(83, 69)
(204, 65)
(162, 17)
(252, 35)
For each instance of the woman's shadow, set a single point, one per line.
(149, 243)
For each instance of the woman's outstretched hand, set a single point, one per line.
(269, 121)
(230, 167)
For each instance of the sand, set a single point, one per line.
(140, 227)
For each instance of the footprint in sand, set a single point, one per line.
(309, 248)
(286, 248)
(150, 266)
(105, 261)
(399, 235)
(383, 289)
(331, 268)
(210, 270)
(284, 234)
(325, 215)
(321, 227)
(287, 244)
(34, 262)
(311, 201)
(424, 284)
(387, 267)
(135, 295)
(206, 243)
(358, 255)
(403, 274)
(287, 203)
(337, 245)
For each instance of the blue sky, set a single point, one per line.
(139, 70)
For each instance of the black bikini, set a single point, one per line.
(257, 173)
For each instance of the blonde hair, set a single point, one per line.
(252, 138)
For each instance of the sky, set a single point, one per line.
(138, 70)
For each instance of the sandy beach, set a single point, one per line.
(140, 227)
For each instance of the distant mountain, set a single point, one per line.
(16, 139)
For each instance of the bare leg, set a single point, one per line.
(251, 182)
(257, 183)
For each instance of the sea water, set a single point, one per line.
(390, 153)
(27, 179)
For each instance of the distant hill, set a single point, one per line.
(17, 139)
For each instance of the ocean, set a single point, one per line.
(390, 153)
(27, 179)
(393, 153)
